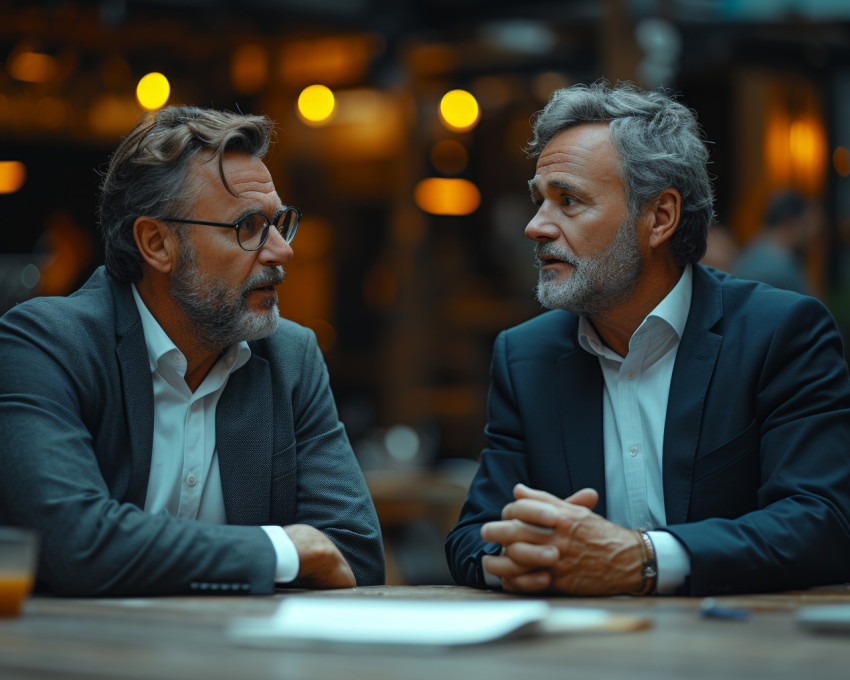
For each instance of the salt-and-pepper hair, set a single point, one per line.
(148, 172)
(659, 144)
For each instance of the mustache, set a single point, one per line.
(270, 276)
(547, 250)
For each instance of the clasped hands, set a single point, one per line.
(553, 544)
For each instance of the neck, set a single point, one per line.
(171, 318)
(616, 326)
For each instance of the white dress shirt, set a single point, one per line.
(634, 408)
(184, 477)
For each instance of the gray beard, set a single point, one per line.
(599, 282)
(220, 318)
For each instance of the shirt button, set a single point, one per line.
(191, 480)
(633, 450)
(630, 375)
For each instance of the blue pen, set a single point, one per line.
(710, 610)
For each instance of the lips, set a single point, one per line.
(551, 256)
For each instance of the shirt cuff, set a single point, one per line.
(674, 563)
(489, 580)
(286, 555)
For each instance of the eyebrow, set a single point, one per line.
(554, 184)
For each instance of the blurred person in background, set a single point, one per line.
(665, 428)
(778, 253)
(162, 429)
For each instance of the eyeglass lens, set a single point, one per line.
(253, 230)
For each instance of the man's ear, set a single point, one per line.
(156, 243)
(666, 210)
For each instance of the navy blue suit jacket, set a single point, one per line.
(76, 431)
(756, 459)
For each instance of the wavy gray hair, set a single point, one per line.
(147, 173)
(660, 146)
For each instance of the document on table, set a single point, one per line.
(359, 621)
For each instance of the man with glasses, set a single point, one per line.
(162, 428)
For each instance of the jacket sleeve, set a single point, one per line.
(53, 481)
(332, 495)
(798, 535)
(503, 465)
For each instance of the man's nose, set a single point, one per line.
(542, 228)
(275, 251)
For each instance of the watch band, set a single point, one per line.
(649, 565)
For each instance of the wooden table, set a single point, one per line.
(184, 637)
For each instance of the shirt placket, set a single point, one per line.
(191, 481)
(631, 436)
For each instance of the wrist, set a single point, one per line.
(649, 565)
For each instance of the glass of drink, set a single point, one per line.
(18, 552)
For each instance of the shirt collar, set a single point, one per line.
(676, 304)
(673, 310)
(161, 348)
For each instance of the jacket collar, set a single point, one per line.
(580, 402)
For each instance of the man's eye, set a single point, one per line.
(252, 225)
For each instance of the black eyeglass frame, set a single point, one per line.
(288, 234)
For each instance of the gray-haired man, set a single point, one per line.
(706, 420)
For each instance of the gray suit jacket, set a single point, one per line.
(76, 429)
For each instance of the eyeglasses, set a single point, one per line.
(253, 230)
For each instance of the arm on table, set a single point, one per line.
(332, 496)
(801, 409)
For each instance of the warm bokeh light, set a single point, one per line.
(13, 174)
(316, 104)
(430, 59)
(441, 196)
(841, 161)
(333, 60)
(449, 157)
(803, 142)
(112, 115)
(796, 152)
(31, 67)
(249, 68)
(153, 91)
(459, 110)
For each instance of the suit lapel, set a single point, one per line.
(244, 441)
(137, 388)
(580, 406)
(695, 363)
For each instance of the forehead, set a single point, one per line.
(247, 176)
(579, 154)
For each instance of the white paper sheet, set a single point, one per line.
(360, 621)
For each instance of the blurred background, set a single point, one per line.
(400, 134)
